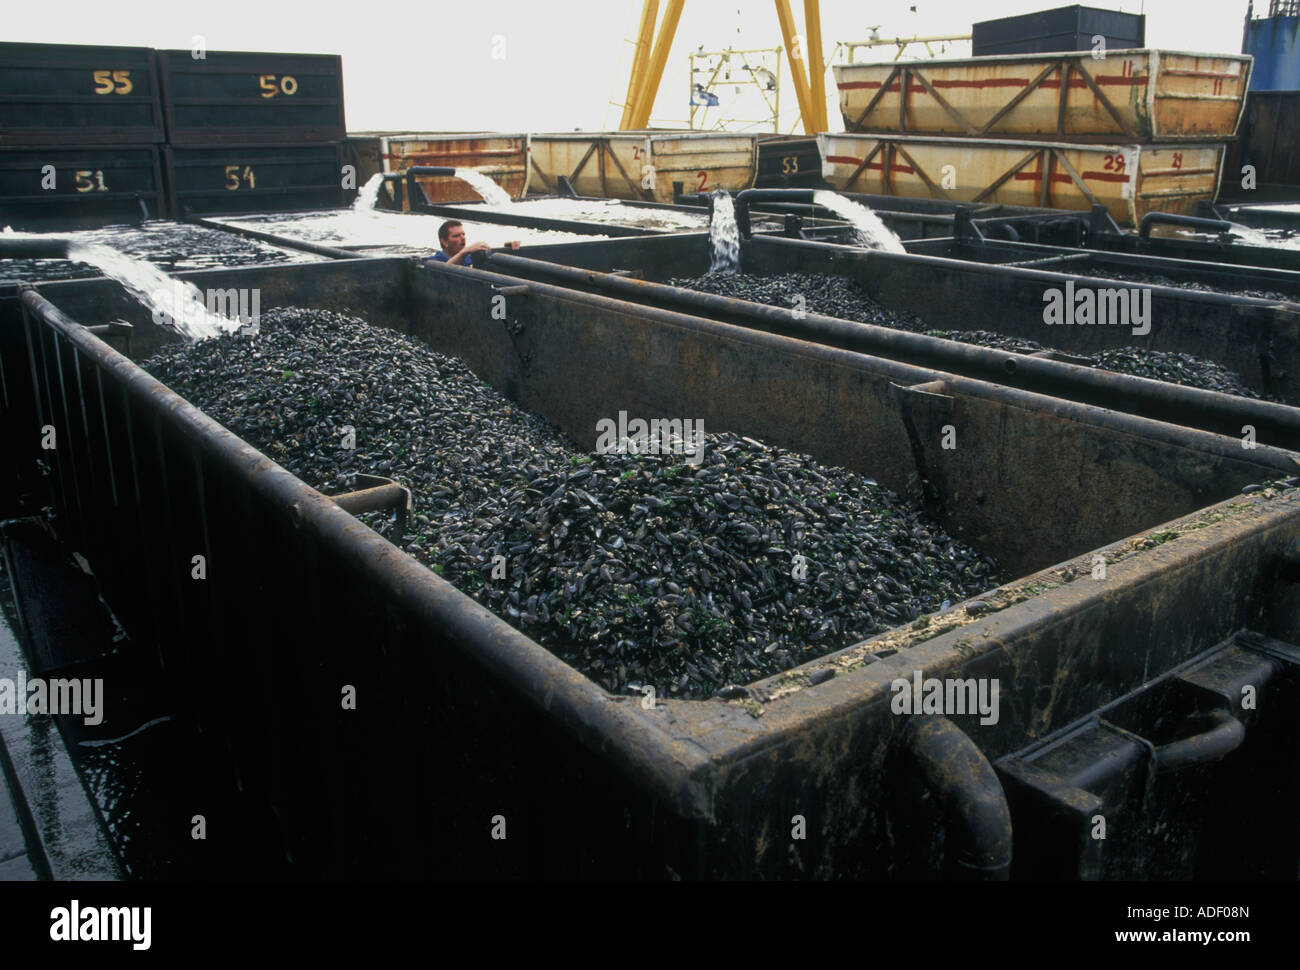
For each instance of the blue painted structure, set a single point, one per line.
(1272, 42)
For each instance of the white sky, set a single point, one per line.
(429, 66)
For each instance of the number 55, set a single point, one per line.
(113, 82)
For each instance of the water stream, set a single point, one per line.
(174, 303)
(492, 193)
(872, 232)
(724, 236)
(364, 203)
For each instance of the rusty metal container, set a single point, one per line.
(644, 165)
(469, 718)
(1129, 180)
(503, 157)
(1128, 95)
(1270, 143)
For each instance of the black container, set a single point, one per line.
(468, 719)
(1269, 140)
(229, 98)
(88, 186)
(1060, 29)
(63, 94)
(789, 163)
(224, 179)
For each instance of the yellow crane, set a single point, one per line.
(649, 60)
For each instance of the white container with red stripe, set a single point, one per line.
(1132, 96)
(1129, 180)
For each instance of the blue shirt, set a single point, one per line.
(441, 257)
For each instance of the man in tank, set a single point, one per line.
(454, 249)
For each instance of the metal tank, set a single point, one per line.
(644, 165)
(1127, 95)
(1121, 696)
(1129, 180)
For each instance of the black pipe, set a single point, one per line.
(416, 197)
(963, 225)
(748, 196)
(1220, 413)
(977, 819)
(54, 247)
(1100, 222)
(478, 212)
(270, 237)
(1172, 219)
(430, 170)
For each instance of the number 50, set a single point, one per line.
(270, 89)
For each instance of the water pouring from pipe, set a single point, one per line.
(481, 183)
(871, 231)
(724, 235)
(174, 303)
(364, 204)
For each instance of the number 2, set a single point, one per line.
(703, 176)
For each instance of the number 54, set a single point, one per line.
(233, 175)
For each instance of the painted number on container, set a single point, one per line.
(1114, 163)
(636, 152)
(113, 82)
(234, 177)
(790, 165)
(1178, 160)
(703, 177)
(91, 181)
(270, 87)
(1218, 85)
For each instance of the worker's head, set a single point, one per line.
(452, 236)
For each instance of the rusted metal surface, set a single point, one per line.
(1269, 143)
(1101, 262)
(1131, 95)
(644, 165)
(1257, 339)
(468, 718)
(1130, 180)
(502, 157)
